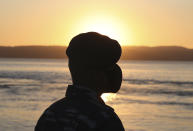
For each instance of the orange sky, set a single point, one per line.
(131, 22)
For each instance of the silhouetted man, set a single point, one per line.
(92, 63)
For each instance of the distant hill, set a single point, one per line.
(33, 52)
(129, 52)
(157, 53)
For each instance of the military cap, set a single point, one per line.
(94, 50)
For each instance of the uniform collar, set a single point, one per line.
(83, 92)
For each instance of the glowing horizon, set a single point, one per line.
(136, 23)
(104, 25)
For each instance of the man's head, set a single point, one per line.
(92, 62)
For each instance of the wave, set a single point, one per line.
(156, 91)
(156, 102)
(49, 77)
(152, 81)
(5, 86)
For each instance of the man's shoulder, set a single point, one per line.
(73, 114)
(78, 109)
(86, 107)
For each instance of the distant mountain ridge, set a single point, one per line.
(157, 53)
(33, 52)
(128, 52)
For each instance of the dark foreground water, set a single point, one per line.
(155, 95)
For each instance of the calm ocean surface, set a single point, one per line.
(155, 95)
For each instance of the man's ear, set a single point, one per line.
(114, 78)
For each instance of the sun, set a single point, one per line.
(105, 25)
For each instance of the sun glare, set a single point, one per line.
(105, 26)
(108, 96)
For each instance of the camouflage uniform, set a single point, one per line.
(80, 110)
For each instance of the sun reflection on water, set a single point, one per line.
(108, 96)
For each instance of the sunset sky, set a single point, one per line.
(131, 22)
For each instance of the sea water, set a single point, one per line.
(155, 95)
